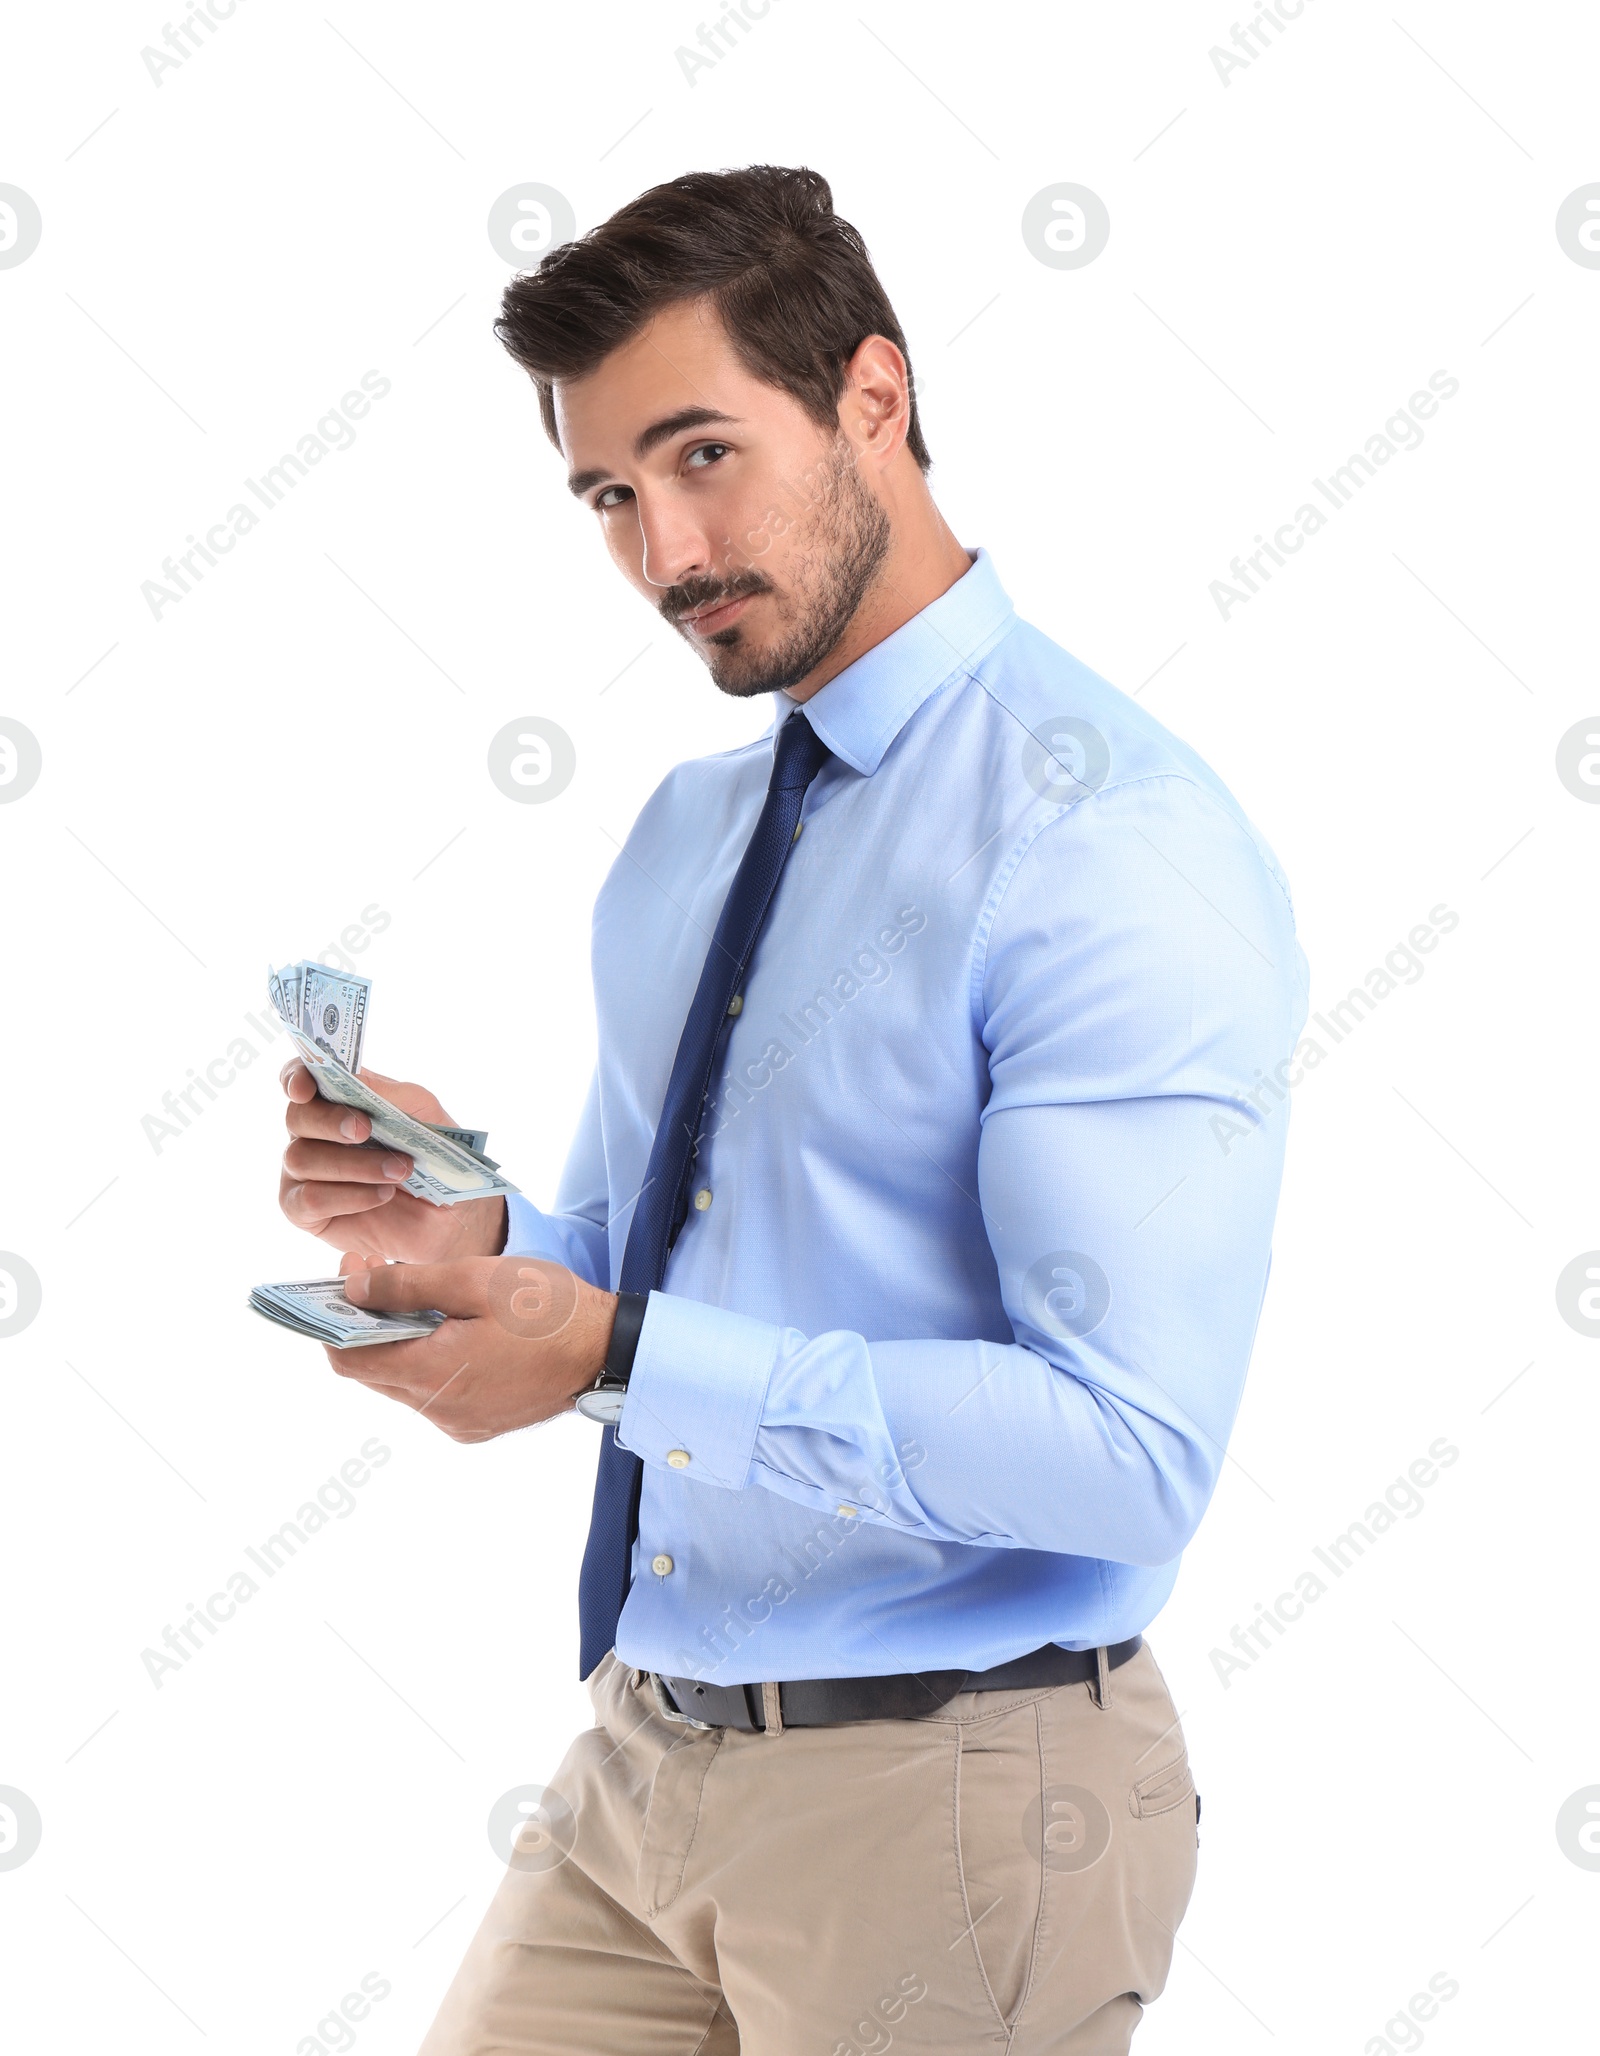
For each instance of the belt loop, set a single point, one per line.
(772, 1708)
(1102, 1679)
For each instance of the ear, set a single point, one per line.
(875, 406)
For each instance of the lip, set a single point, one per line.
(707, 620)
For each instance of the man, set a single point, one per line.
(912, 1244)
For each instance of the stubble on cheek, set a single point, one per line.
(833, 543)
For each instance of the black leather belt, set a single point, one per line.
(825, 1702)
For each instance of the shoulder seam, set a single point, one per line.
(1033, 830)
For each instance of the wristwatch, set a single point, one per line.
(603, 1401)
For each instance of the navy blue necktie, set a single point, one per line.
(663, 1204)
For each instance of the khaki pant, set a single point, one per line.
(1003, 1875)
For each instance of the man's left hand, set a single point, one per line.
(524, 1337)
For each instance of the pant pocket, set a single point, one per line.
(672, 1814)
(1162, 1790)
(1000, 1782)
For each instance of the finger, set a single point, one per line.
(348, 1364)
(323, 1121)
(370, 1363)
(320, 1203)
(343, 1164)
(296, 1080)
(397, 1393)
(381, 1084)
(453, 1288)
(415, 1100)
(405, 1367)
(353, 1260)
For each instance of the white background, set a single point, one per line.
(303, 736)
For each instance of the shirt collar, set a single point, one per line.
(859, 713)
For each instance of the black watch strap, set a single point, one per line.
(606, 1398)
(631, 1310)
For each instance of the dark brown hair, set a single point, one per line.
(792, 283)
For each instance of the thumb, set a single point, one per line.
(414, 1288)
(415, 1100)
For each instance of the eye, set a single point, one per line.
(712, 452)
(603, 503)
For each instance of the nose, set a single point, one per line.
(675, 544)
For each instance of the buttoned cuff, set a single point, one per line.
(698, 1390)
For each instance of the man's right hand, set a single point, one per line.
(351, 1196)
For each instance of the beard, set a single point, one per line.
(839, 548)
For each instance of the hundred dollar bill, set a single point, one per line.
(474, 1139)
(284, 989)
(333, 1011)
(329, 1006)
(317, 1307)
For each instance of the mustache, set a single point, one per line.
(693, 593)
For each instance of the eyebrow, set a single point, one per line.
(581, 482)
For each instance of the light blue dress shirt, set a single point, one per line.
(953, 1337)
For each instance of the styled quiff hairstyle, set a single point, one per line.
(792, 283)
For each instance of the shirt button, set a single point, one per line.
(797, 828)
(702, 1199)
(678, 1458)
(848, 1512)
(736, 1004)
(662, 1566)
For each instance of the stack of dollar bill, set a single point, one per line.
(325, 1013)
(317, 1307)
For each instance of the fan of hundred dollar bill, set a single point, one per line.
(325, 1013)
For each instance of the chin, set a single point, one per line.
(736, 666)
(740, 685)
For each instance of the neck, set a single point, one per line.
(924, 560)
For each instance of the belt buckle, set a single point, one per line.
(668, 1711)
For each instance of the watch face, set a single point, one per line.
(603, 1406)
